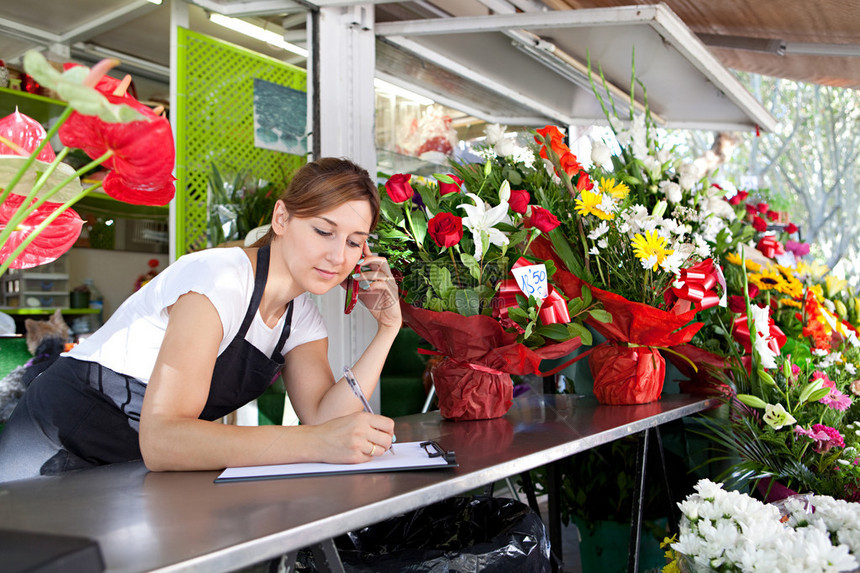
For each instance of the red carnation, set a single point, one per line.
(519, 202)
(398, 187)
(445, 229)
(759, 224)
(445, 188)
(543, 219)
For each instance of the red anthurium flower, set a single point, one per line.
(445, 229)
(445, 188)
(106, 84)
(143, 153)
(519, 201)
(56, 239)
(398, 187)
(791, 228)
(543, 219)
(759, 224)
(25, 133)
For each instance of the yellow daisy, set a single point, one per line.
(790, 302)
(651, 245)
(589, 204)
(617, 190)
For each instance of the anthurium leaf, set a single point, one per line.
(11, 164)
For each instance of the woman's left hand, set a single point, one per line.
(378, 290)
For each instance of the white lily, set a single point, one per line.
(480, 219)
(505, 191)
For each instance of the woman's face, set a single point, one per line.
(321, 251)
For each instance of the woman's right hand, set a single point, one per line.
(354, 438)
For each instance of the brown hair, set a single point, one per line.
(323, 185)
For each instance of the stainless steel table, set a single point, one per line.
(182, 520)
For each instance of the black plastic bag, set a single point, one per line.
(456, 535)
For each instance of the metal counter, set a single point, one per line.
(174, 521)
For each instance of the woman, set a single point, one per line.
(208, 335)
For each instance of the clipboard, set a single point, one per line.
(426, 455)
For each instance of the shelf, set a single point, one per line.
(38, 107)
(23, 311)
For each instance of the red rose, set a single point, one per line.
(791, 228)
(519, 201)
(735, 200)
(543, 219)
(445, 188)
(445, 229)
(772, 215)
(762, 207)
(737, 304)
(743, 195)
(759, 224)
(398, 187)
(751, 209)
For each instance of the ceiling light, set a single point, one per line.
(156, 2)
(256, 32)
(391, 89)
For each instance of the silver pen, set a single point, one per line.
(356, 389)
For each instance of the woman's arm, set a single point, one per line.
(173, 438)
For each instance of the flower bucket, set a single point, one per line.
(466, 393)
(627, 374)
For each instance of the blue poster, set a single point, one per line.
(280, 118)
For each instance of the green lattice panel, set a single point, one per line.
(215, 124)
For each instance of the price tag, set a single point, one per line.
(532, 280)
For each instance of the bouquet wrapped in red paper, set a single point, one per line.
(473, 379)
(469, 287)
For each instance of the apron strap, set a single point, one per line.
(285, 333)
(259, 286)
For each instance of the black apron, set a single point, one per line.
(79, 414)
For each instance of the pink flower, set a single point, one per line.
(855, 387)
(799, 249)
(825, 437)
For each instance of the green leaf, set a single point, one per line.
(518, 315)
(574, 306)
(391, 211)
(430, 198)
(586, 295)
(554, 331)
(752, 401)
(472, 264)
(440, 280)
(529, 328)
(419, 227)
(467, 302)
(600, 315)
(435, 304)
(578, 329)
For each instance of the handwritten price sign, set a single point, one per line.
(532, 280)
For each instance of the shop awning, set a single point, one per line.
(530, 68)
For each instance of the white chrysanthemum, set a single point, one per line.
(672, 191)
(495, 133)
(594, 251)
(649, 262)
(689, 174)
(703, 249)
(600, 154)
(850, 368)
(602, 243)
(599, 231)
(505, 147)
(672, 263)
(607, 204)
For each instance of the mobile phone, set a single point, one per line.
(351, 286)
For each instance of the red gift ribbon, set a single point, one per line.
(769, 246)
(699, 280)
(740, 330)
(552, 310)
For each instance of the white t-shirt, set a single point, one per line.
(129, 341)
